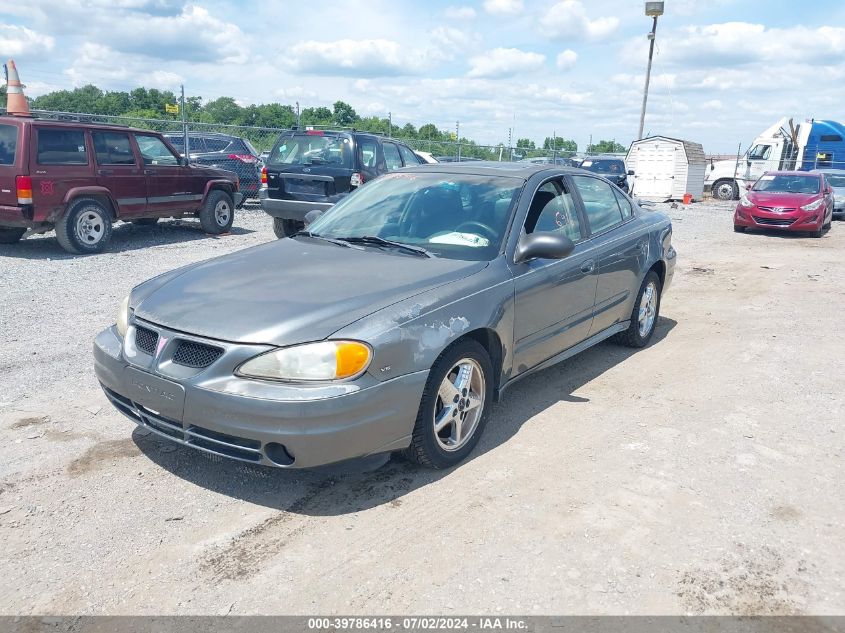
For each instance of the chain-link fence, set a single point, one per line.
(263, 139)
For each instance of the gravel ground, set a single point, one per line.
(703, 474)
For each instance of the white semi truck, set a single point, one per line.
(809, 145)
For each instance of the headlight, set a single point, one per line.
(813, 205)
(123, 317)
(328, 360)
(744, 201)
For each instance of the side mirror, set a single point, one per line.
(543, 245)
(748, 186)
(312, 216)
(630, 172)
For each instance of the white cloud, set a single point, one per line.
(569, 20)
(713, 104)
(19, 41)
(356, 58)
(107, 68)
(505, 62)
(503, 7)
(567, 59)
(459, 13)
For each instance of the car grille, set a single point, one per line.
(196, 355)
(146, 340)
(780, 209)
(239, 448)
(773, 221)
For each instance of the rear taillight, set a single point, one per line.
(357, 179)
(244, 158)
(24, 186)
(263, 175)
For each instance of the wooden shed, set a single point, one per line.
(666, 168)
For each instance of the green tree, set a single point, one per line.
(429, 131)
(408, 131)
(560, 144)
(343, 114)
(224, 110)
(606, 147)
(316, 116)
(525, 143)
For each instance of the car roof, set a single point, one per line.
(493, 168)
(790, 172)
(73, 124)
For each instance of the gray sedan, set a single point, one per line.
(836, 179)
(394, 322)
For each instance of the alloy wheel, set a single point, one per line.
(460, 404)
(648, 310)
(90, 227)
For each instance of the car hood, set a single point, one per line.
(289, 291)
(765, 199)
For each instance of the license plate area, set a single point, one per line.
(162, 396)
(308, 187)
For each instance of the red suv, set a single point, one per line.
(79, 178)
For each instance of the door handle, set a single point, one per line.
(105, 172)
(588, 266)
(150, 172)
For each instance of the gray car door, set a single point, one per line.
(553, 299)
(621, 248)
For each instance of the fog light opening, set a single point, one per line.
(278, 454)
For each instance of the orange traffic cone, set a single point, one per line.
(16, 103)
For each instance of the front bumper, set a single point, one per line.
(754, 217)
(289, 209)
(256, 421)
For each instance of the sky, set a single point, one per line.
(724, 70)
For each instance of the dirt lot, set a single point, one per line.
(703, 474)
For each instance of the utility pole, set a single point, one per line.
(458, 138)
(297, 115)
(554, 147)
(389, 125)
(185, 125)
(652, 10)
(510, 138)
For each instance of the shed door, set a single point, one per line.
(656, 170)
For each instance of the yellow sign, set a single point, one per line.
(171, 109)
(454, 136)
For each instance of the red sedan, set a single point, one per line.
(787, 201)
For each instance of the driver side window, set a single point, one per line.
(154, 152)
(552, 210)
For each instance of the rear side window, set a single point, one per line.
(61, 147)
(154, 152)
(8, 144)
(313, 149)
(391, 156)
(408, 157)
(113, 148)
(599, 203)
(369, 154)
(624, 204)
(216, 144)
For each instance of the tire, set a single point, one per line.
(145, 221)
(725, 190)
(829, 223)
(286, 228)
(85, 228)
(217, 213)
(739, 229)
(634, 336)
(818, 232)
(11, 235)
(431, 448)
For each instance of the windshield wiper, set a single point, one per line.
(380, 241)
(317, 236)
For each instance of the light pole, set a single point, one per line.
(652, 10)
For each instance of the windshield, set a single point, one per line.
(453, 216)
(604, 166)
(835, 181)
(313, 149)
(787, 184)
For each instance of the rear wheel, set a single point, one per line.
(85, 228)
(286, 228)
(144, 221)
(218, 213)
(11, 236)
(725, 190)
(455, 406)
(645, 313)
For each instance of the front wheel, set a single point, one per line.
(739, 229)
(286, 228)
(218, 213)
(645, 313)
(725, 190)
(11, 236)
(454, 407)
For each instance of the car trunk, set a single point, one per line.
(312, 167)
